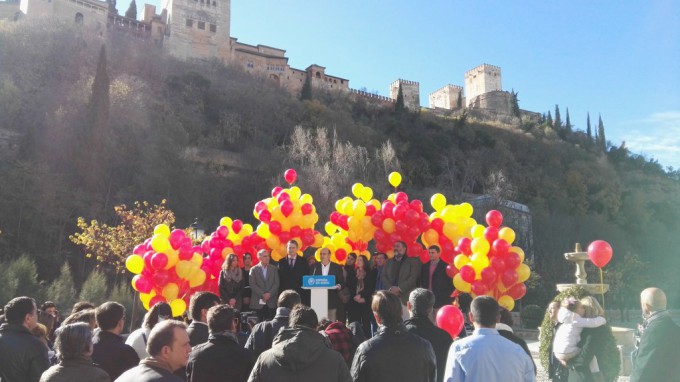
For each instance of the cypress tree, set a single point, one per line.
(399, 105)
(100, 100)
(568, 122)
(131, 12)
(306, 93)
(589, 130)
(459, 102)
(550, 120)
(112, 7)
(602, 140)
(558, 120)
(515, 104)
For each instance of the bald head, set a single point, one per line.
(652, 300)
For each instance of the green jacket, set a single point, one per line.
(657, 357)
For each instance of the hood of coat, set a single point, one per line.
(297, 348)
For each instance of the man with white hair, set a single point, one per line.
(656, 358)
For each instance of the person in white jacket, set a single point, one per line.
(138, 339)
(570, 315)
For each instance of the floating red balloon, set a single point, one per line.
(494, 218)
(600, 253)
(290, 175)
(450, 319)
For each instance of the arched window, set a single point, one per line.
(79, 18)
(318, 75)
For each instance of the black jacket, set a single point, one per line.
(263, 333)
(112, 354)
(508, 334)
(439, 339)
(596, 342)
(292, 278)
(222, 353)
(22, 356)
(198, 333)
(657, 357)
(442, 284)
(394, 354)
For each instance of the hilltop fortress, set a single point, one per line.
(200, 29)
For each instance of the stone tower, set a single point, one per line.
(447, 97)
(410, 90)
(198, 28)
(483, 79)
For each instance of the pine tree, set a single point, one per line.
(567, 123)
(601, 139)
(399, 104)
(22, 279)
(589, 130)
(62, 291)
(558, 120)
(131, 12)
(306, 93)
(549, 120)
(94, 289)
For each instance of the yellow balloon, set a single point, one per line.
(449, 213)
(173, 258)
(178, 307)
(477, 231)
(366, 194)
(507, 302)
(160, 243)
(226, 222)
(507, 234)
(263, 231)
(392, 198)
(306, 198)
(431, 237)
(449, 230)
(197, 259)
(359, 208)
(330, 228)
(246, 230)
(295, 193)
(460, 261)
(162, 229)
(375, 203)
(479, 261)
(460, 284)
(480, 245)
(145, 298)
(523, 273)
(184, 268)
(347, 207)
(273, 242)
(197, 279)
(395, 179)
(134, 264)
(518, 251)
(318, 240)
(466, 210)
(357, 189)
(339, 204)
(438, 202)
(388, 225)
(170, 291)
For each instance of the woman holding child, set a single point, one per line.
(592, 344)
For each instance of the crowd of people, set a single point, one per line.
(380, 327)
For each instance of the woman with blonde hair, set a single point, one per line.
(231, 282)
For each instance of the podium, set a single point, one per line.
(319, 286)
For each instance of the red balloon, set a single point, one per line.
(417, 205)
(139, 249)
(424, 222)
(186, 252)
(401, 227)
(260, 206)
(424, 257)
(265, 216)
(222, 232)
(282, 196)
(285, 236)
(509, 277)
(450, 319)
(276, 191)
(464, 245)
(467, 273)
(341, 254)
(488, 275)
(500, 246)
(377, 219)
(494, 218)
(479, 288)
(275, 227)
(155, 300)
(161, 278)
(411, 216)
(287, 208)
(387, 209)
(497, 263)
(437, 224)
(307, 209)
(512, 261)
(400, 197)
(237, 225)
(290, 175)
(370, 210)
(400, 210)
(451, 270)
(159, 261)
(296, 231)
(600, 253)
(142, 284)
(415, 249)
(491, 234)
(517, 291)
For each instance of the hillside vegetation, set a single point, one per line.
(213, 140)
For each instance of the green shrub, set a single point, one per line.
(20, 278)
(94, 289)
(531, 316)
(62, 291)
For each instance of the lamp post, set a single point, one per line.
(196, 230)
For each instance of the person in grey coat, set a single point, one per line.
(264, 283)
(74, 350)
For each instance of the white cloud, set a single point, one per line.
(656, 136)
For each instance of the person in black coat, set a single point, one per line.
(440, 283)
(221, 349)
(328, 268)
(109, 350)
(23, 357)
(198, 312)
(504, 327)
(656, 358)
(361, 289)
(420, 304)
(393, 354)
(291, 269)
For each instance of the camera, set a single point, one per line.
(248, 319)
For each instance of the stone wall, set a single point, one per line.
(447, 97)
(198, 29)
(482, 79)
(410, 90)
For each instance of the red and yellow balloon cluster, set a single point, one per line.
(489, 265)
(400, 220)
(287, 214)
(448, 224)
(351, 223)
(166, 266)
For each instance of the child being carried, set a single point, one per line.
(568, 334)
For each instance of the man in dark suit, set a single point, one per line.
(109, 350)
(198, 312)
(656, 357)
(327, 268)
(291, 269)
(433, 277)
(400, 275)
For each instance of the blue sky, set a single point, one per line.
(620, 59)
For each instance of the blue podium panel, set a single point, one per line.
(318, 282)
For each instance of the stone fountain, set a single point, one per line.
(625, 338)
